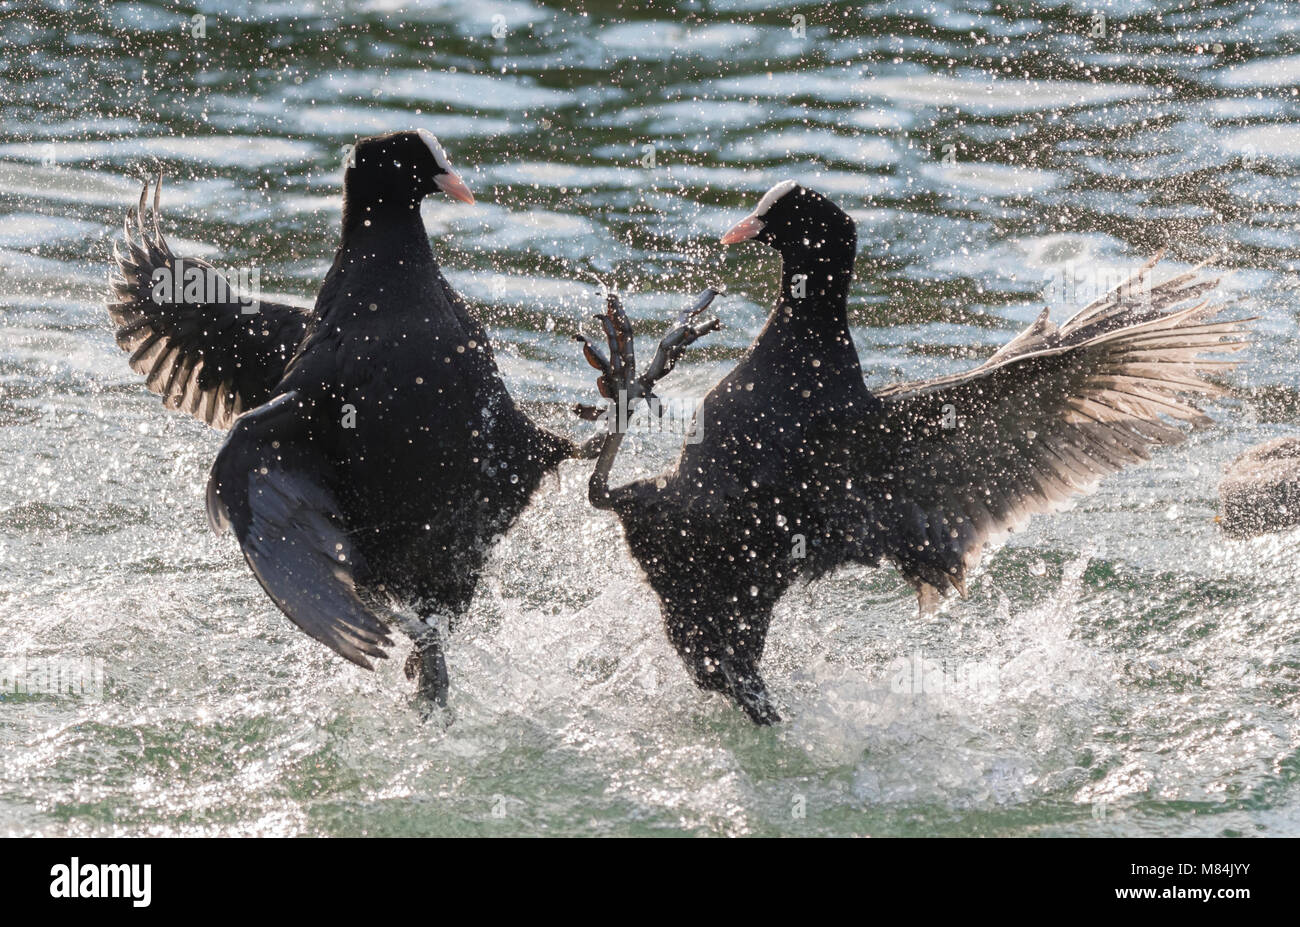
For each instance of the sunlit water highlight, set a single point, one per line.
(1118, 669)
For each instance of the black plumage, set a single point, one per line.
(801, 468)
(374, 471)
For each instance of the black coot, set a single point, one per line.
(382, 452)
(800, 468)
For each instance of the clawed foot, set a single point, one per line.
(618, 380)
(428, 667)
(618, 370)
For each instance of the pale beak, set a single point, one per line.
(743, 230)
(449, 182)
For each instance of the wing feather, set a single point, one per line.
(183, 348)
(273, 489)
(1039, 423)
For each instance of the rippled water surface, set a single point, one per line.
(1134, 672)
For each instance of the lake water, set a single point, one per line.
(1118, 669)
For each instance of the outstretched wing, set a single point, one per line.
(212, 359)
(270, 486)
(968, 458)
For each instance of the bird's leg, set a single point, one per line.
(427, 664)
(618, 380)
(749, 692)
(598, 486)
(589, 449)
(722, 651)
(616, 383)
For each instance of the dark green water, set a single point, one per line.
(1141, 672)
